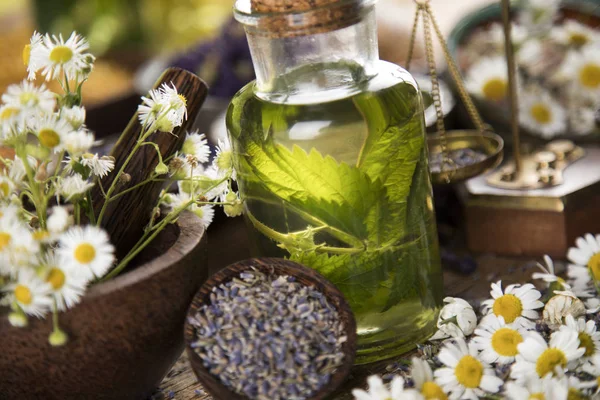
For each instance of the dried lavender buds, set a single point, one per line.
(269, 337)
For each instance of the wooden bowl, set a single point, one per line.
(124, 336)
(272, 266)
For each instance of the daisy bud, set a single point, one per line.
(235, 208)
(457, 319)
(124, 178)
(17, 319)
(560, 306)
(42, 173)
(57, 338)
(59, 219)
(167, 199)
(192, 160)
(161, 169)
(175, 165)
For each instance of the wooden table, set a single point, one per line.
(228, 243)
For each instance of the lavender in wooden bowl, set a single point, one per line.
(270, 329)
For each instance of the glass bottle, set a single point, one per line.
(329, 146)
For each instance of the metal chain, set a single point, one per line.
(413, 39)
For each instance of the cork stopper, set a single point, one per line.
(291, 18)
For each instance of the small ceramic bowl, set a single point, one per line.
(278, 267)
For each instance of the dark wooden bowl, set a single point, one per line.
(276, 266)
(125, 335)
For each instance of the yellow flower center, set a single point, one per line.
(183, 99)
(188, 147)
(5, 189)
(61, 54)
(594, 266)
(575, 394)
(56, 278)
(586, 342)
(495, 89)
(225, 160)
(85, 253)
(505, 341)
(589, 76)
(23, 294)
(5, 238)
(541, 113)
(509, 307)
(537, 396)
(431, 391)
(41, 234)
(8, 112)
(549, 360)
(469, 372)
(26, 54)
(49, 138)
(578, 39)
(28, 98)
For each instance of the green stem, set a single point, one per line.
(152, 179)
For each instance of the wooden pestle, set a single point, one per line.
(125, 218)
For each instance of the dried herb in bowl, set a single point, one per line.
(269, 336)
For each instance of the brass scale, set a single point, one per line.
(543, 168)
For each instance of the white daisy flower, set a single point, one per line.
(497, 340)
(18, 247)
(163, 110)
(66, 284)
(33, 48)
(52, 132)
(515, 304)
(496, 33)
(59, 220)
(457, 319)
(539, 15)
(57, 57)
(31, 293)
(560, 305)
(176, 101)
(541, 114)
(488, 79)
(100, 166)
(205, 212)
(87, 250)
(151, 107)
(548, 274)
(541, 358)
(582, 120)
(378, 391)
(196, 145)
(465, 375)
(73, 186)
(423, 377)
(7, 187)
(589, 338)
(583, 68)
(74, 115)
(79, 142)
(587, 256)
(533, 387)
(574, 34)
(530, 54)
(30, 97)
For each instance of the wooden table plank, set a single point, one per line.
(228, 243)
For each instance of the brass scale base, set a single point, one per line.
(542, 210)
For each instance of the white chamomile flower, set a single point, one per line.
(562, 304)
(31, 293)
(548, 274)
(66, 284)
(87, 250)
(530, 54)
(79, 142)
(57, 57)
(224, 157)
(589, 338)
(423, 377)
(497, 340)
(52, 131)
(100, 166)
(33, 54)
(205, 212)
(548, 388)
(73, 186)
(538, 15)
(496, 35)
(30, 97)
(586, 257)
(583, 68)
(176, 101)
(541, 114)
(378, 390)
(488, 79)
(74, 115)
(18, 247)
(163, 110)
(465, 375)
(9, 213)
(516, 304)
(7, 187)
(457, 319)
(150, 108)
(59, 220)
(575, 34)
(536, 357)
(196, 145)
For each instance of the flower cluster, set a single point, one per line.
(52, 246)
(520, 348)
(558, 70)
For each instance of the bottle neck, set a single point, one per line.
(330, 63)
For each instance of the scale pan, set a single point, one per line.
(486, 145)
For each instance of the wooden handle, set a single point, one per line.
(125, 217)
